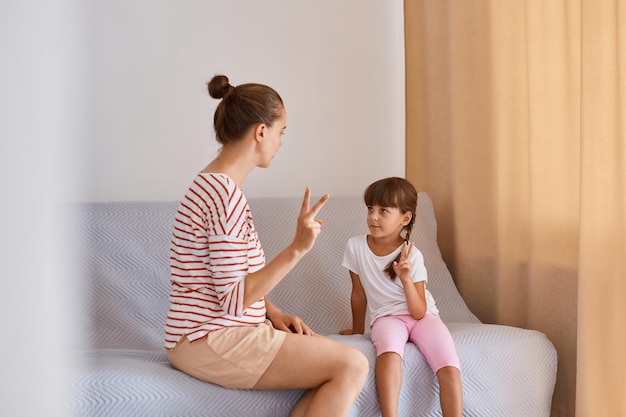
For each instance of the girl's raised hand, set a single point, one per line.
(308, 228)
(403, 267)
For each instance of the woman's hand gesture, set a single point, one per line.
(308, 228)
(403, 267)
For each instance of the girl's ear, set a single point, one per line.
(407, 218)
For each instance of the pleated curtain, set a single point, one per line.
(516, 127)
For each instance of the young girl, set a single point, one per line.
(389, 279)
(220, 327)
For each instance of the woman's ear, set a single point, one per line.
(259, 132)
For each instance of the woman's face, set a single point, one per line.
(272, 140)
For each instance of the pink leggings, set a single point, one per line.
(430, 335)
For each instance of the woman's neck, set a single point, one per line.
(232, 162)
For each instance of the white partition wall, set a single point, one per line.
(105, 100)
(339, 66)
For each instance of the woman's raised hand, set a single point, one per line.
(308, 228)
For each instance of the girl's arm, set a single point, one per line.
(415, 293)
(415, 298)
(358, 302)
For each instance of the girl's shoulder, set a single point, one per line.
(416, 253)
(357, 241)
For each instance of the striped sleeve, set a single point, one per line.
(235, 251)
(214, 247)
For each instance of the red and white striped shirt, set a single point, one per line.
(214, 246)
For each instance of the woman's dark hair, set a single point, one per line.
(242, 107)
(393, 192)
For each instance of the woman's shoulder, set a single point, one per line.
(220, 182)
(216, 193)
(218, 186)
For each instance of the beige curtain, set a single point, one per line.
(516, 126)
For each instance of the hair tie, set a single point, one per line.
(229, 89)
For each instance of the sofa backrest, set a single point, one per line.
(124, 259)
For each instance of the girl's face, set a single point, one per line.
(386, 221)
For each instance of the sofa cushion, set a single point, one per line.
(123, 369)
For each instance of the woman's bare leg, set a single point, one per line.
(302, 405)
(389, 382)
(335, 372)
(450, 391)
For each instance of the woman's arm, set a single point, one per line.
(358, 302)
(261, 282)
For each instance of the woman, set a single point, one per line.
(220, 327)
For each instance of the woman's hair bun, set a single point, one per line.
(219, 86)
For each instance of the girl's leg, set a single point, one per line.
(450, 391)
(389, 382)
(389, 336)
(433, 339)
(334, 373)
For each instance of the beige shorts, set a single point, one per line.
(233, 357)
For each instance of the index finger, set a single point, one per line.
(409, 248)
(305, 201)
(318, 206)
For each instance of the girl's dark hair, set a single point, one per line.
(242, 107)
(393, 192)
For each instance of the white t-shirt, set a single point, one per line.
(384, 296)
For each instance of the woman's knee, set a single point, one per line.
(355, 364)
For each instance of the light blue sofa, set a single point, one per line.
(506, 371)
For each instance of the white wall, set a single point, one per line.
(105, 100)
(42, 116)
(339, 66)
